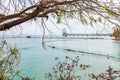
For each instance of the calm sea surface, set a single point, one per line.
(36, 61)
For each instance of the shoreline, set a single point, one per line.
(108, 38)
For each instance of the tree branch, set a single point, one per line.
(17, 15)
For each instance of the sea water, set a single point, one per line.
(37, 60)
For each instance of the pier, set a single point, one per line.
(65, 34)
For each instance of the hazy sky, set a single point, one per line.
(75, 26)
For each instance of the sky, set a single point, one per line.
(75, 26)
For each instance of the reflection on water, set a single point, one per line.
(35, 61)
(116, 45)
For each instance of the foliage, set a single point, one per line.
(67, 71)
(9, 59)
(110, 74)
(116, 32)
(89, 12)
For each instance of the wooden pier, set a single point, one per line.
(65, 34)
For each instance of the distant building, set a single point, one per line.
(64, 33)
(28, 36)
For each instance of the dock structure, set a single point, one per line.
(89, 35)
(65, 34)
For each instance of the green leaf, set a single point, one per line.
(111, 0)
(96, 0)
(99, 19)
(85, 21)
(58, 20)
(91, 23)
